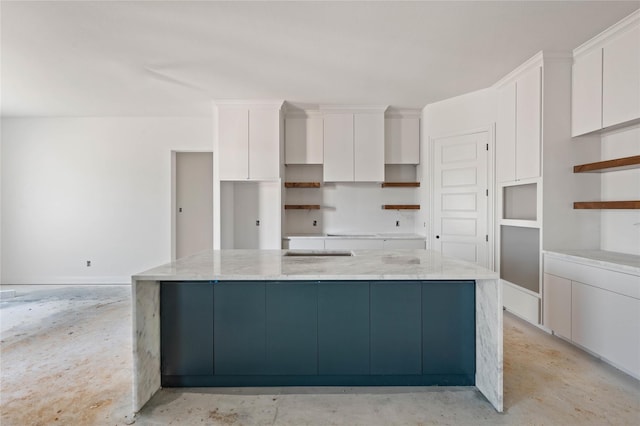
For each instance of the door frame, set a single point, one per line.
(491, 199)
(173, 207)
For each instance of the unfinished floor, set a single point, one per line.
(65, 358)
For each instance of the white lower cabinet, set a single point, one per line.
(306, 244)
(403, 244)
(602, 315)
(557, 305)
(352, 244)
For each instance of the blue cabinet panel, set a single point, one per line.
(343, 328)
(448, 327)
(239, 328)
(291, 328)
(396, 336)
(186, 328)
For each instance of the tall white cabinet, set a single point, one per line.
(248, 164)
(535, 185)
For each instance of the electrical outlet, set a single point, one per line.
(397, 223)
(315, 223)
(88, 263)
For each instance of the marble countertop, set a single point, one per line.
(620, 262)
(363, 235)
(235, 265)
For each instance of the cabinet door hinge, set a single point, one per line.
(486, 238)
(486, 192)
(487, 147)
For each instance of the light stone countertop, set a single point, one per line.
(619, 262)
(236, 265)
(356, 235)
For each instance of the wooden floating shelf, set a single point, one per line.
(400, 184)
(302, 206)
(302, 184)
(609, 165)
(401, 207)
(626, 205)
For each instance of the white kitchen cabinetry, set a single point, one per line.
(368, 148)
(338, 148)
(393, 244)
(528, 124)
(536, 185)
(353, 244)
(557, 305)
(248, 142)
(595, 307)
(586, 99)
(402, 140)
(306, 243)
(304, 140)
(621, 79)
(518, 127)
(354, 146)
(606, 78)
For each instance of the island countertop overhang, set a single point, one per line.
(239, 265)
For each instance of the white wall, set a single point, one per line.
(99, 189)
(469, 112)
(620, 229)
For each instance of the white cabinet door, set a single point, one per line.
(368, 148)
(403, 244)
(586, 97)
(304, 140)
(338, 148)
(557, 305)
(608, 324)
(506, 134)
(528, 124)
(264, 143)
(352, 244)
(306, 243)
(402, 140)
(621, 79)
(233, 143)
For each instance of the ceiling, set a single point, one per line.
(81, 58)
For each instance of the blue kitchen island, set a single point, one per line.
(304, 318)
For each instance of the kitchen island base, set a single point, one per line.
(274, 350)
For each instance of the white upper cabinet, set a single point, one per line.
(233, 142)
(528, 124)
(354, 146)
(338, 147)
(304, 139)
(248, 142)
(264, 143)
(586, 101)
(621, 78)
(518, 127)
(606, 78)
(368, 148)
(506, 133)
(402, 140)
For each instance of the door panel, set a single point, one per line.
(292, 324)
(343, 328)
(528, 124)
(264, 143)
(338, 148)
(460, 197)
(396, 338)
(233, 143)
(186, 320)
(194, 203)
(239, 328)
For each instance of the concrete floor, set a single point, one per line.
(65, 358)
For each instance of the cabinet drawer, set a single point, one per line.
(618, 282)
(306, 244)
(352, 244)
(403, 244)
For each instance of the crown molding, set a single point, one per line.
(605, 36)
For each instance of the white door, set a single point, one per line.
(460, 197)
(264, 143)
(194, 202)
